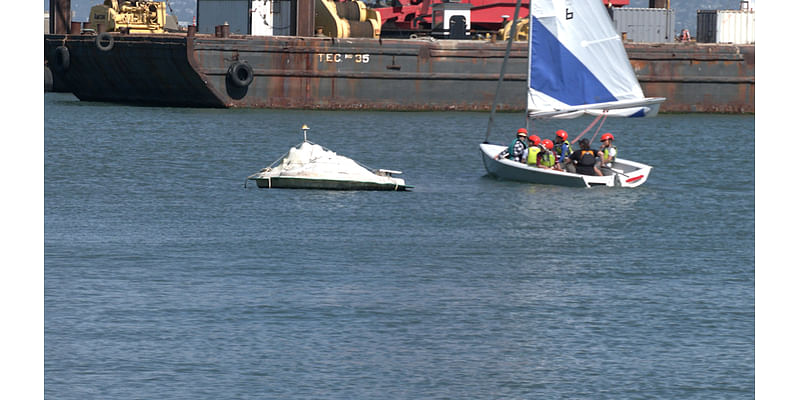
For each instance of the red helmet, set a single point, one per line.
(562, 134)
(548, 144)
(606, 136)
(522, 132)
(535, 139)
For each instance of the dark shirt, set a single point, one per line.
(585, 161)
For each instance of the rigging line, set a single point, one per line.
(503, 69)
(605, 115)
(602, 118)
(597, 118)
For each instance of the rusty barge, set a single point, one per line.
(307, 71)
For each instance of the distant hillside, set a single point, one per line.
(685, 10)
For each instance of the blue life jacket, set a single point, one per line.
(559, 149)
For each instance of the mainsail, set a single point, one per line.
(578, 64)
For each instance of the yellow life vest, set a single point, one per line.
(548, 159)
(533, 153)
(606, 151)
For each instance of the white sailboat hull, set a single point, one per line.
(625, 173)
(577, 65)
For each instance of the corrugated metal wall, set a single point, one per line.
(726, 26)
(211, 13)
(646, 25)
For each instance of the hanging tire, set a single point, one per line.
(61, 58)
(240, 74)
(104, 37)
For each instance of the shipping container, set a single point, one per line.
(271, 17)
(726, 26)
(646, 25)
(211, 13)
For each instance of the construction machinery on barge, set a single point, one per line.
(325, 54)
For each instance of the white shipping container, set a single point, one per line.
(738, 27)
(726, 26)
(271, 17)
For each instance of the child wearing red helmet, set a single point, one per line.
(608, 151)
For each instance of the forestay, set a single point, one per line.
(578, 64)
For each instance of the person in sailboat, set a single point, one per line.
(563, 149)
(547, 158)
(531, 154)
(586, 160)
(608, 151)
(516, 148)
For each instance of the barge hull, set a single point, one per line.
(377, 74)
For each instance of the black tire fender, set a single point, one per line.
(104, 37)
(241, 74)
(61, 58)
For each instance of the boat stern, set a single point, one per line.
(630, 174)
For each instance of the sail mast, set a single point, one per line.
(503, 69)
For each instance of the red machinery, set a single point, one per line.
(486, 15)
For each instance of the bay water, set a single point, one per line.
(167, 276)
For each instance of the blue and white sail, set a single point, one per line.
(578, 64)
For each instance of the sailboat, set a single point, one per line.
(577, 66)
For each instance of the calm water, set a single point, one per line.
(166, 277)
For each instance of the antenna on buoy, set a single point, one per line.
(305, 129)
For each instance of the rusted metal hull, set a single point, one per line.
(714, 78)
(389, 74)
